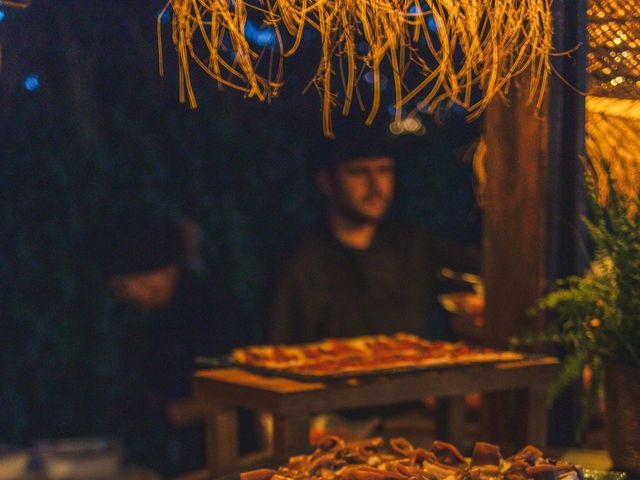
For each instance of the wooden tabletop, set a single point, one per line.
(292, 402)
(241, 388)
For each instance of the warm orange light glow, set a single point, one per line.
(452, 45)
(15, 4)
(613, 103)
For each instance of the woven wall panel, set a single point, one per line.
(614, 48)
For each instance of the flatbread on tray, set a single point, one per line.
(365, 354)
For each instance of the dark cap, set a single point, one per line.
(135, 244)
(358, 142)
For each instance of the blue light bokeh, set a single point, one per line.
(431, 23)
(32, 82)
(260, 36)
(165, 17)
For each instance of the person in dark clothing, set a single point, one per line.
(180, 318)
(354, 274)
(329, 289)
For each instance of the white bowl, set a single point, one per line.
(13, 462)
(81, 458)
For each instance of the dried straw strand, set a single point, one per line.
(471, 45)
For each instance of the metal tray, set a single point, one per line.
(603, 475)
(229, 362)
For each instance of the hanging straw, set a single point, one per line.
(454, 49)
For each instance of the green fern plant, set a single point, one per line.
(597, 315)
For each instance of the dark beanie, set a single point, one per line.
(134, 244)
(350, 144)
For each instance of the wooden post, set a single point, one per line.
(514, 239)
(533, 196)
(515, 217)
(222, 439)
(290, 434)
(536, 409)
(451, 419)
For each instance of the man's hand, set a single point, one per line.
(184, 413)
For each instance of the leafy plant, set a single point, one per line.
(598, 315)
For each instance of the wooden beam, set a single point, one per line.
(515, 217)
(533, 200)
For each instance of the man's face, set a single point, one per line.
(362, 189)
(146, 291)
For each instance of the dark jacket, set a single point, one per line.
(325, 289)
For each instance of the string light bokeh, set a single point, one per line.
(613, 101)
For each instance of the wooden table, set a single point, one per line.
(223, 391)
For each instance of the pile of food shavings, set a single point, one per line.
(370, 459)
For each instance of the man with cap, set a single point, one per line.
(355, 274)
(143, 261)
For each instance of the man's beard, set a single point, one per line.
(358, 217)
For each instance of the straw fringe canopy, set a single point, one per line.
(15, 3)
(613, 103)
(461, 52)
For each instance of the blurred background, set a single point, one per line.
(88, 128)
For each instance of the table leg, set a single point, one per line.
(537, 416)
(290, 433)
(451, 419)
(222, 439)
(506, 418)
